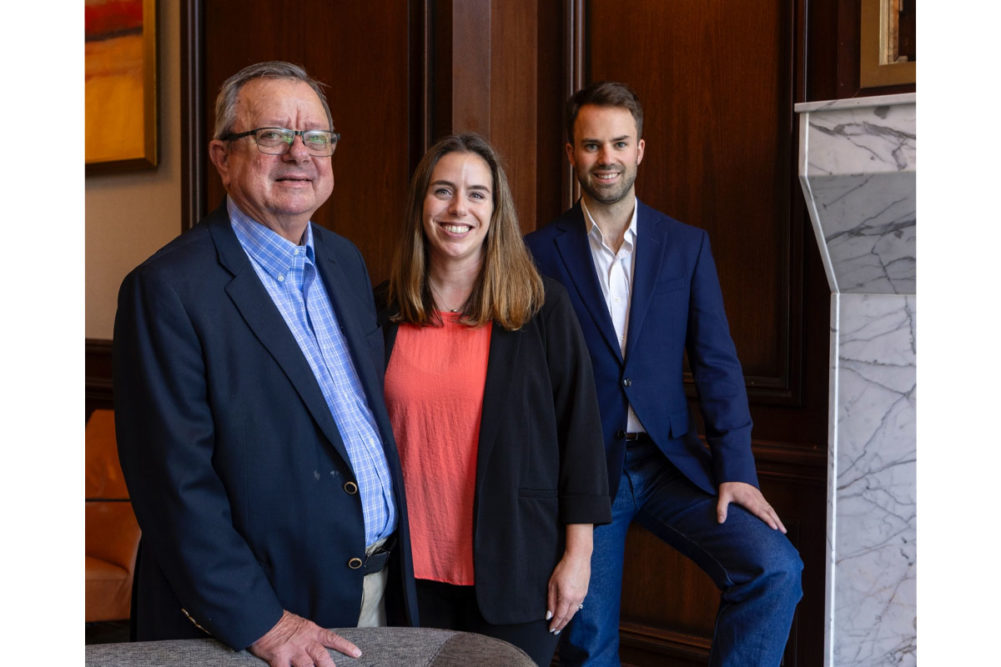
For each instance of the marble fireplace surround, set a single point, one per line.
(857, 169)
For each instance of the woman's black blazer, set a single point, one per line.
(541, 461)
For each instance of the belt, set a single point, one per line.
(638, 436)
(376, 561)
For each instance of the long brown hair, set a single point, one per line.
(508, 289)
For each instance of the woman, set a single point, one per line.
(491, 397)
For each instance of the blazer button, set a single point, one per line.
(355, 563)
(350, 488)
(627, 383)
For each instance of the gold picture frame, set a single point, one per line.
(121, 85)
(880, 64)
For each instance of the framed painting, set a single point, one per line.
(120, 98)
(888, 54)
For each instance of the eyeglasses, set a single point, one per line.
(278, 140)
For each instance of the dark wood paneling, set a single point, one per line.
(718, 130)
(488, 57)
(193, 133)
(363, 52)
(555, 53)
(514, 98)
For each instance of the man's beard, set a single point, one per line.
(609, 194)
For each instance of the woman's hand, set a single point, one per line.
(568, 583)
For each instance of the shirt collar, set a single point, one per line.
(594, 232)
(272, 251)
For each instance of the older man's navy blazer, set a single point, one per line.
(676, 305)
(240, 480)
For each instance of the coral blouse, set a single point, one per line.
(434, 392)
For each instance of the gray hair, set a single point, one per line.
(225, 102)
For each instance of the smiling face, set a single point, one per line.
(458, 205)
(605, 153)
(279, 191)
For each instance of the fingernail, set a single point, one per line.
(356, 653)
(549, 615)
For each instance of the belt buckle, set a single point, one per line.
(376, 562)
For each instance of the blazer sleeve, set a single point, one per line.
(166, 444)
(719, 378)
(583, 481)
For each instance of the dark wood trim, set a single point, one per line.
(98, 386)
(658, 644)
(192, 124)
(800, 60)
(574, 59)
(439, 84)
(421, 77)
(791, 461)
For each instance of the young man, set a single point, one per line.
(645, 290)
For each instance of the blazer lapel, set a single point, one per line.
(351, 313)
(263, 318)
(575, 251)
(650, 245)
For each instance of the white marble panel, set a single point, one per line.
(860, 140)
(873, 492)
(868, 223)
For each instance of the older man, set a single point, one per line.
(248, 396)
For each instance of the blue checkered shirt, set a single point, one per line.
(289, 274)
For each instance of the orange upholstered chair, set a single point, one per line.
(112, 532)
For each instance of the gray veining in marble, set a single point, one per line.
(858, 175)
(868, 225)
(857, 169)
(875, 472)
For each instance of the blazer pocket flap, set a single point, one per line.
(537, 493)
(679, 423)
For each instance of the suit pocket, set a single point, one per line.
(536, 493)
(679, 423)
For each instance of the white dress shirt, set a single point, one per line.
(615, 275)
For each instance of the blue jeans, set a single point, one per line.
(756, 568)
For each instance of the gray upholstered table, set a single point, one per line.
(381, 647)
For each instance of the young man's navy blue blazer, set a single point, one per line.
(676, 306)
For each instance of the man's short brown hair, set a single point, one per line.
(605, 94)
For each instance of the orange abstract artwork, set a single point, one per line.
(119, 106)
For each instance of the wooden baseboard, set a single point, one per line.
(646, 645)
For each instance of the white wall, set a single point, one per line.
(130, 215)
